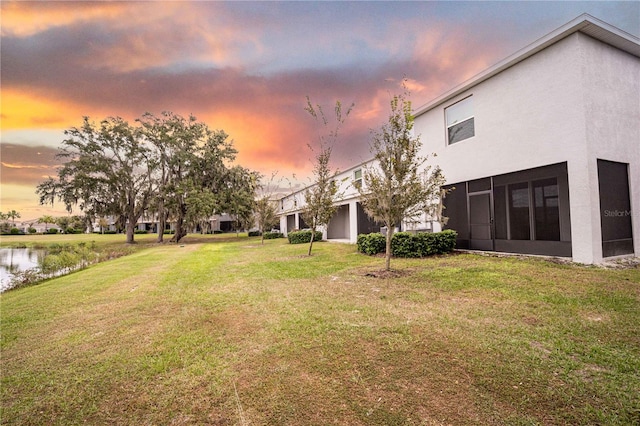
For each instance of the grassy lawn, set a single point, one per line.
(224, 331)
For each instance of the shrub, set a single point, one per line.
(110, 232)
(445, 241)
(274, 235)
(15, 231)
(168, 231)
(139, 232)
(405, 244)
(25, 278)
(371, 244)
(32, 230)
(301, 237)
(52, 231)
(254, 233)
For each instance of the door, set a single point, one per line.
(480, 221)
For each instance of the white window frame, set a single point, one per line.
(459, 121)
(357, 181)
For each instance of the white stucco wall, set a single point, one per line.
(524, 117)
(611, 87)
(347, 195)
(575, 101)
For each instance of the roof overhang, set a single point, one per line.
(585, 23)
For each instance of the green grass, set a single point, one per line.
(222, 330)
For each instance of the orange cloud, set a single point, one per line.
(27, 18)
(21, 110)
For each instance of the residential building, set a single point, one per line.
(543, 150)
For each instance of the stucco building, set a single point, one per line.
(543, 150)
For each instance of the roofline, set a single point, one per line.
(584, 23)
(349, 169)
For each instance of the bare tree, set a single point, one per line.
(319, 198)
(265, 214)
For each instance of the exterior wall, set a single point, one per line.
(562, 104)
(339, 226)
(525, 117)
(611, 87)
(344, 226)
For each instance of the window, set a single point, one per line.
(519, 211)
(460, 124)
(547, 211)
(357, 178)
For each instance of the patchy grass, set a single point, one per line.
(222, 330)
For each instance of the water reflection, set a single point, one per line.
(13, 260)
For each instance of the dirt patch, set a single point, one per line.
(383, 273)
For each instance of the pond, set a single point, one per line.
(14, 260)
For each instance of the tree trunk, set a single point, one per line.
(313, 234)
(180, 231)
(388, 249)
(162, 223)
(131, 226)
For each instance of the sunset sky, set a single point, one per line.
(245, 67)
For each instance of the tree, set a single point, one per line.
(394, 189)
(201, 205)
(103, 223)
(265, 214)
(63, 222)
(240, 195)
(13, 215)
(319, 198)
(191, 168)
(46, 219)
(107, 171)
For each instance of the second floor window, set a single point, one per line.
(357, 178)
(460, 122)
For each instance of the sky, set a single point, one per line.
(245, 68)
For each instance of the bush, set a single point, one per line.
(274, 235)
(254, 233)
(32, 230)
(168, 231)
(140, 232)
(445, 241)
(371, 244)
(301, 237)
(52, 231)
(71, 230)
(405, 244)
(110, 232)
(15, 231)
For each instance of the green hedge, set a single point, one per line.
(273, 235)
(254, 233)
(371, 244)
(405, 244)
(301, 237)
(71, 230)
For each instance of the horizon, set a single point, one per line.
(245, 68)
